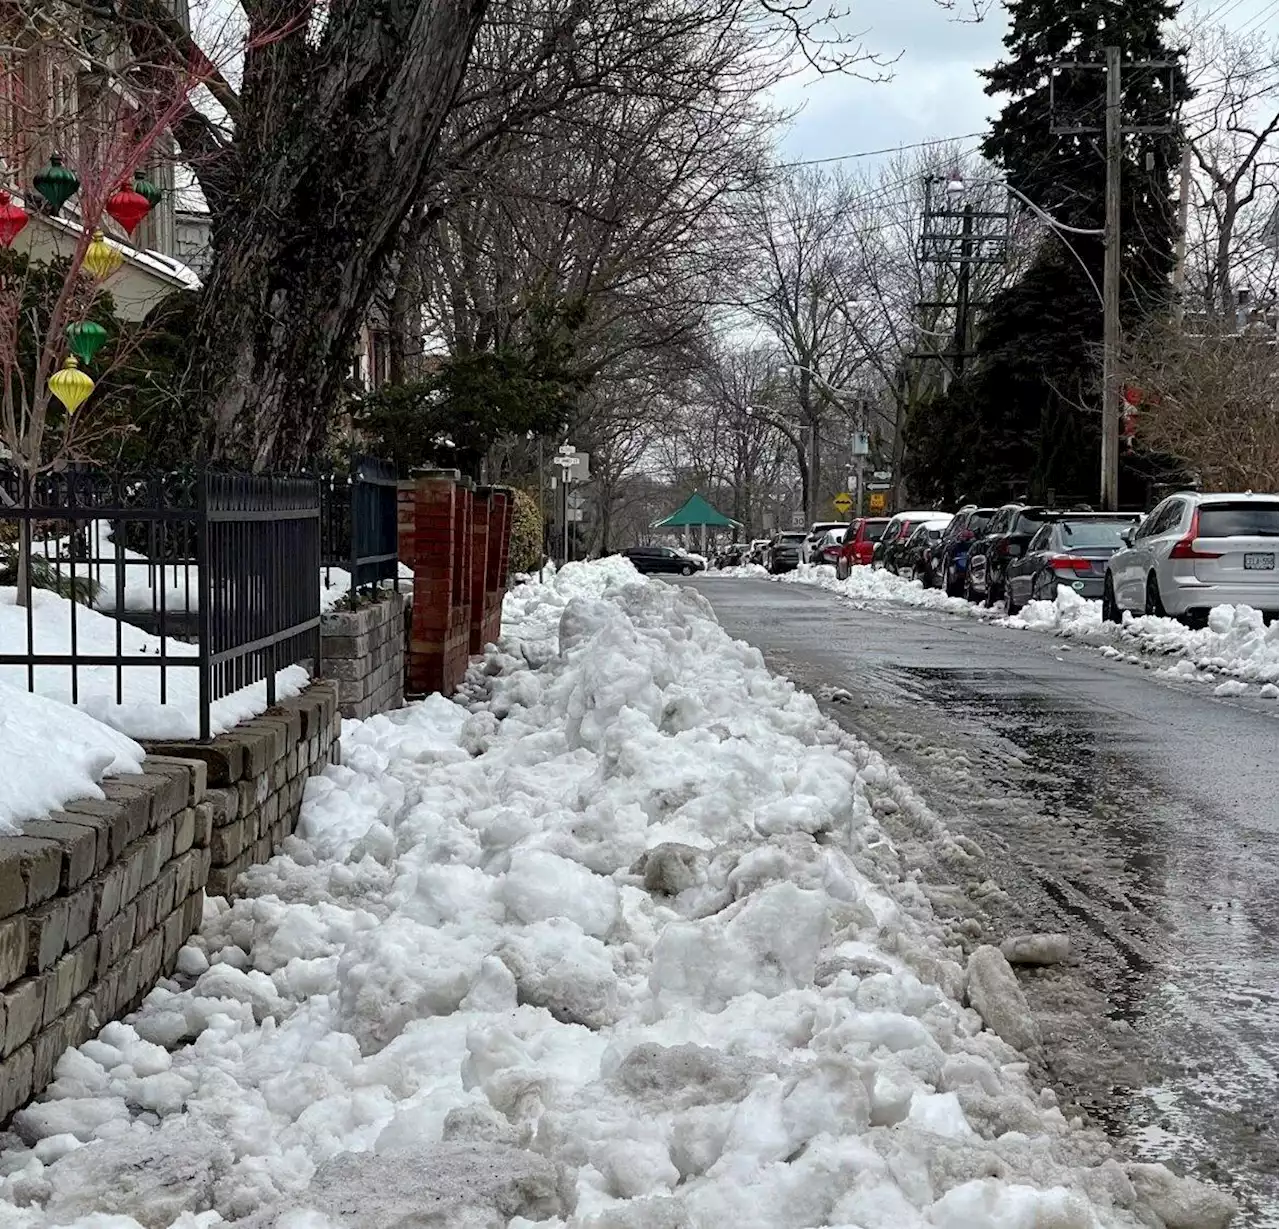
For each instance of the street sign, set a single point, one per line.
(882, 475)
(575, 500)
(876, 501)
(879, 486)
(575, 516)
(843, 503)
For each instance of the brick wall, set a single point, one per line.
(97, 898)
(256, 775)
(364, 653)
(456, 538)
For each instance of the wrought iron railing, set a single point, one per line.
(358, 524)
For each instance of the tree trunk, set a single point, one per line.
(404, 316)
(319, 196)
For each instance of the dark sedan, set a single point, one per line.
(783, 552)
(1070, 550)
(951, 559)
(649, 559)
(1006, 539)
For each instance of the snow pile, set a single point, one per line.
(335, 584)
(51, 755)
(624, 942)
(1236, 643)
(139, 711)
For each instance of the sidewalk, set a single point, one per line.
(627, 939)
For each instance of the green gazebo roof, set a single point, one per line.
(696, 511)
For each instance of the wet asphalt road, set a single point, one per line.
(1136, 814)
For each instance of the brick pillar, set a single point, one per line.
(406, 503)
(483, 541)
(431, 551)
(458, 638)
(503, 507)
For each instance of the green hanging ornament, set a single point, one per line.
(57, 184)
(146, 189)
(86, 338)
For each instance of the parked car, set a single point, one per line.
(755, 553)
(916, 555)
(1012, 527)
(829, 548)
(733, 555)
(1070, 550)
(652, 559)
(812, 544)
(888, 550)
(783, 552)
(1193, 552)
(859, 542)
(951, 555)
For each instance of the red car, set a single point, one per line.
(859, 542)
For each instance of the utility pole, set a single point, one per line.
(1111, 291)
(962, 289)
(1180, 262)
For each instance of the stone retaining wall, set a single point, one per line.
(256, 775)
(96, 899)
(363, 651)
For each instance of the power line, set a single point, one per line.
(871, 153)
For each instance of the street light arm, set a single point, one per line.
(836, 394)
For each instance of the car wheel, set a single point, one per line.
(686, 570)
(1154, 605)
(969, 594)
(953, 586)
(1011, 607)
(842, 570)
(990, 595)
(1110, 610)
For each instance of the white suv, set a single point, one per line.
(1193, 552)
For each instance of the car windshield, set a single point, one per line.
(979, 521)
(1091, 533)
(792, 537)
(1239, 520)
(873, 531)
(1028, 522)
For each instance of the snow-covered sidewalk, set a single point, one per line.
(626, 940)
(1235, 650)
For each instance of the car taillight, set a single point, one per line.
(1070, 563)
(1185, 548)
(1002, 547)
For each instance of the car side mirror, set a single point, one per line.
(1129, 534)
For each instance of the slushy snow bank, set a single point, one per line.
(139, 713)
(1236, 644)
(51, 755)
(624, 940)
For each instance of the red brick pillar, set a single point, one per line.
(429, 548)
(499, 561)
(458, 638)
(483, 540)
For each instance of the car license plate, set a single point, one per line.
(1260, 563)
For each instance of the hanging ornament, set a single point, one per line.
(101, 259)
(146, 189)
(128, 208)
(12, 219)
(57, 184)
(70, 385)
(86, 338)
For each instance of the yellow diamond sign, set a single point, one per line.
(843, 503)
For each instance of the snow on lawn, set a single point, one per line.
(141, 714)
(51, 755)
(624, 940)
(1236, 644)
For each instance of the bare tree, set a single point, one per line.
(1209, 402)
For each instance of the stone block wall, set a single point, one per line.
(95, 901)
(256, 774)
(456, 538)
(364, 653)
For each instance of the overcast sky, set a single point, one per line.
(935, 92)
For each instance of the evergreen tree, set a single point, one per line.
(1031, 395)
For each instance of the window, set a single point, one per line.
(979, 522)
(1091, 533)
(1028, 522)
(1168, 519)
(873, 531)
(1041, 540)
(1239, 520)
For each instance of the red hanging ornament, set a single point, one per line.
(128, 208)
(1133, 395)
(12, 219)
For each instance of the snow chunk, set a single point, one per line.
(1037, 949)
(543, 885)
(994, 992)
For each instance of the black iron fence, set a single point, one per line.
(358, 528)
(184, 588)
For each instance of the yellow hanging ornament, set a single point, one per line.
(101, 259)
(70, 385)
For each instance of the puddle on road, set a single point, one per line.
(1083, 842)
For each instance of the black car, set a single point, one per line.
(783, 552)
(951, 557)
(1012, 527)
(733, 555)
(916, 558)
(649, 559)
(1071, 549)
